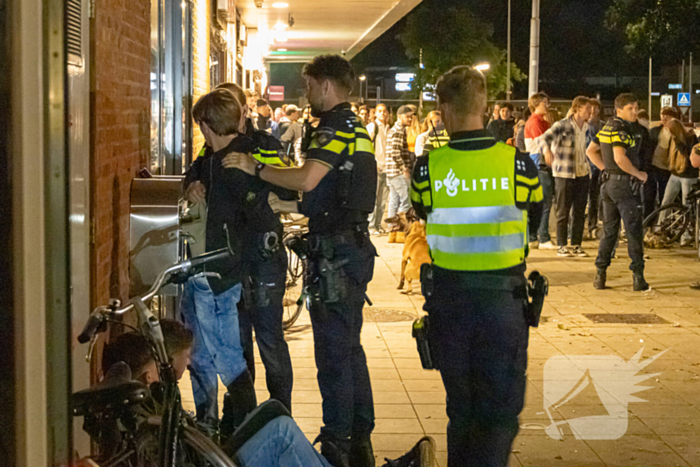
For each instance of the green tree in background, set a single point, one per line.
(455, 36)
(657, 28)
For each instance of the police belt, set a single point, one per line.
(347, 237)
(481, 281)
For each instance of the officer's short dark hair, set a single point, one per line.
(464, 88)
(220, 110)
(331, 67)
(236, 90)
(507, 105)
(624, 99)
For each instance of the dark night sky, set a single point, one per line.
(574, 43)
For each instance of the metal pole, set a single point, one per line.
(683, 76)
(690, 88)
(534, 48)
(508, 92)
(650, 110)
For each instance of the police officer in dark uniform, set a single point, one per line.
(620, 149)
(339, 184)
(477, 197)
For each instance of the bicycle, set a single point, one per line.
(115, 419)
(679, 219)
(295, 293)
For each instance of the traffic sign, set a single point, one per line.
(683, 99)
(667, 100)
(675, 86)
(684, 110)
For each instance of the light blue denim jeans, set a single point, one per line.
(398, 195)
(280, 443)
(217, 349)
(674, 186)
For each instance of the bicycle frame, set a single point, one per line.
(150, 328)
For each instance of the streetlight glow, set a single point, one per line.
(362, 78)
(482, 66)
(280, 5)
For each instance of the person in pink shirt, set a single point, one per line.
(535, 127)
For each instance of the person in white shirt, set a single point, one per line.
(378, 130)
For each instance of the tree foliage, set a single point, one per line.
(454, 36)
(657, 28)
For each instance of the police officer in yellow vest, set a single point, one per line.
(477, 197)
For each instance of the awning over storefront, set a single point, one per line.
(298, 30)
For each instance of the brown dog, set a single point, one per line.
(415, 253)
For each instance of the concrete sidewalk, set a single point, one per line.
(661, 428)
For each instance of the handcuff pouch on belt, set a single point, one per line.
(537, 290)
(328, 282)
(421, 333)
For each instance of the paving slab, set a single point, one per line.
(661, 413)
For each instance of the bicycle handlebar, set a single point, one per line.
(97, 317)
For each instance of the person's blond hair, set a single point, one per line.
(426, 123)
(535, 100)
(464, 89)
(220, 110)
(578, 103)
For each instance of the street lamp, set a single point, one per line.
(362, 79)
(482, 67)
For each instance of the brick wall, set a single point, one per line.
(201, 42)
(121, 134)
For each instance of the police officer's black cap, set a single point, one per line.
(405, 109)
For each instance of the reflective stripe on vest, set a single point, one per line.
(475, 224)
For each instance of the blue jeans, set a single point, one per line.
(217, 346)
(375, 219)
(280, 443)
(547, 182)
(398, 195)
(675, 186)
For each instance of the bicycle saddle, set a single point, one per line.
(116, 390)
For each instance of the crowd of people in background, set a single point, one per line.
(557, 144)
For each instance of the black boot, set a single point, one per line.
(361, 453)
(599, 281)
(640, 285)
(239, 401)
(422, 455)
(334, 450)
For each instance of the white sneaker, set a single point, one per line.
(548, 246)
(578, 251)
(534, 245)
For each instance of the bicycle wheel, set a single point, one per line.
(293, 290)
(673, 226)
(194, 449)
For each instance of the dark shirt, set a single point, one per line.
(525, 168)
(502, 130)
(631, 136)
(226, 193)
(339, 130)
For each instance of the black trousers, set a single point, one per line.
(343, 376)
(480, 343)
(265, 314)
(619, 202)
(593, 199)
(571, 196)
(654, 188)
